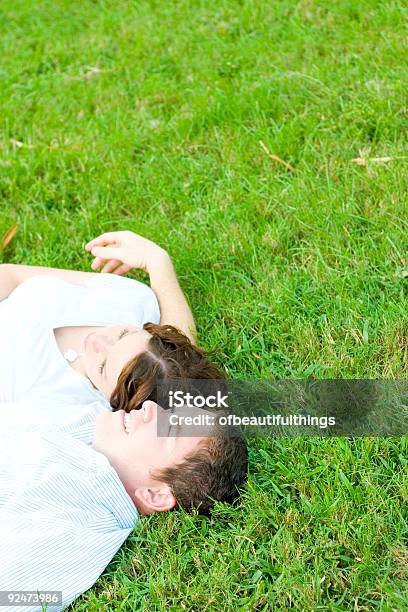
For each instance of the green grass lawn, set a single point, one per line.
(149, 116)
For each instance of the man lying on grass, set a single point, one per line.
(70, 495)
(80, 457)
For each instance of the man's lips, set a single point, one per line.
(125, 420)
(122, 417)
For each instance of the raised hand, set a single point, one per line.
(119, 252)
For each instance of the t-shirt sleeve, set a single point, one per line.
(107, 299)
(119, 299)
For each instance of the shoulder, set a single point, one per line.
(126, 294)
(119, 284)
(40, 296)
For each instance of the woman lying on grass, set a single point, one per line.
(100, 342)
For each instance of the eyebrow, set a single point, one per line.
(129, 333)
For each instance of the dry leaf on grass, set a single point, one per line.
(19, 144)
(363, 161)
(88, 72)
(91, 71)
(401, 274)
(360, 161)
(16, 143)
(269, 240)
(8, 236)
(276, 158)
(380, 160)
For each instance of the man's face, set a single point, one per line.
(108, 350)
(134, 451)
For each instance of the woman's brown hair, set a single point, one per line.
(169, 355)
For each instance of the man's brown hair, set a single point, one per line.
(219, 465)
(212, 473)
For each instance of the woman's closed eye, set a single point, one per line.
(122, 333)
(100, 368)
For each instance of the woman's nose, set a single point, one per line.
(100, 343)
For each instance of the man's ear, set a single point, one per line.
(149, 411)
(158, 499)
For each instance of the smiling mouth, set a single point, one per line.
(126, 422)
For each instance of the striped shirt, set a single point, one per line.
(63, 510)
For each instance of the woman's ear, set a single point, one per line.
(160, 499)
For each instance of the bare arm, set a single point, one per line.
(126, 250)
(174, 308)
(119, 252)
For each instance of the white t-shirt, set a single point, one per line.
(31, 364)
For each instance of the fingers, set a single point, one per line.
(122, 269)
(105, 252)
(111, 265)
(97, 262)
(107, 238)
(114, 266)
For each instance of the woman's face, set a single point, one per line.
(108, 350)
